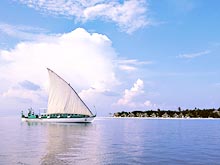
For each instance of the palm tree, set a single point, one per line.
(179, 109)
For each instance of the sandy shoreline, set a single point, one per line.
(156, 118)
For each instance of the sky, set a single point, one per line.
(119, 55)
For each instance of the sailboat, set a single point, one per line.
(64, 104)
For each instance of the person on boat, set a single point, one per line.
(29, 112)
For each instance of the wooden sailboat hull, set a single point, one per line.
(60, 120)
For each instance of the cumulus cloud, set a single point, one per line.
(29, 85)
(86, 60)
(193, 55)
(130, 94)
(135, 97)
(129, 15)
(25, 91)
(149, 104)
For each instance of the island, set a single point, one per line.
(187, 113)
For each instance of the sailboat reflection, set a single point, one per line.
(64, 142)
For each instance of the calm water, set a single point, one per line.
(110, 141)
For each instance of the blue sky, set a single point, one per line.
(118, 55)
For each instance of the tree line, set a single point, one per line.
(188, 113)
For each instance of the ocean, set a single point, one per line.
(125, 141)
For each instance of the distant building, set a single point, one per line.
(131, 115)
(165, 115)
(153, 115)
(175, 115)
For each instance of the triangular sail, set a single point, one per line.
(63, 98)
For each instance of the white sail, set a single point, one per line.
(63, 98)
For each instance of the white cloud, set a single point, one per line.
(149, 104)
(130, 94)
(134, 62)
(129, 15)
(22, 94)
(131, 64)
(86, 60)
(127, 68)
(22, 32)
(193, 55)
(135, 98)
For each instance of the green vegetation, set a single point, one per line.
(195, 113)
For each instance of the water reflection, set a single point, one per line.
(60, 139)
(110, 141)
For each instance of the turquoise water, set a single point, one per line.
(111, 141)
